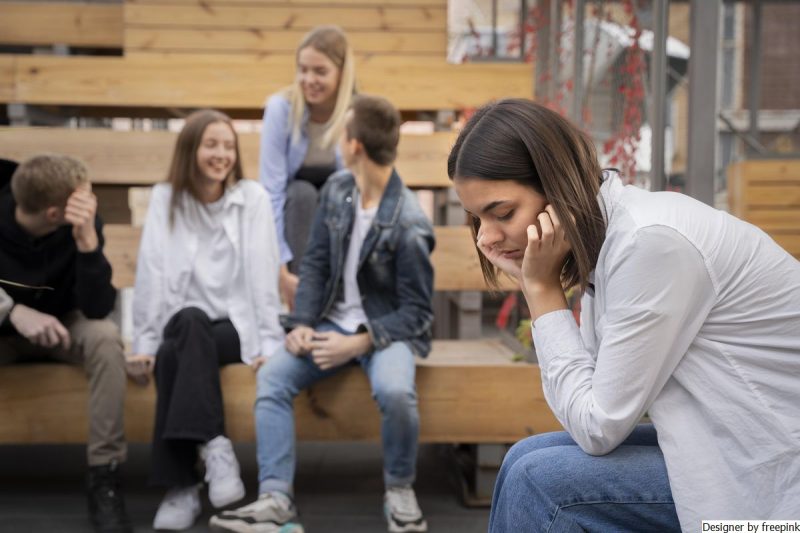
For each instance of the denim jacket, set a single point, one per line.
(395, 275)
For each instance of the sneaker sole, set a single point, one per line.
(394, 527)
(238, 526)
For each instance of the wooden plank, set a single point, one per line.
(257, 40)
(754, 171)
(142, 158)
(70, 23)
(772, 196)
(455, 260)
(198, 81)
(771, 219)
(286, 17)
(8, 73)
(485, 399)
(122, 250)
(213, 4)
(789, 241)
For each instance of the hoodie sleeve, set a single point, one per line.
(94, 293)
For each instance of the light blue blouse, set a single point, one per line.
(280, 159)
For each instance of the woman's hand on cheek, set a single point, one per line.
(508, 266)
(546, 252)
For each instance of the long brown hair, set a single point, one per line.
(184, 173)
(525, 142)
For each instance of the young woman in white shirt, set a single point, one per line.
(206, 295)
(688, 314)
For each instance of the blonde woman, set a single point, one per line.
(302, 124)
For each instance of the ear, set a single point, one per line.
(54, 215)
(352, 146)
(358, 147)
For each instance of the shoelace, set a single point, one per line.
(219, 463)
(403, 501)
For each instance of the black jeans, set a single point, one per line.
(189, 400)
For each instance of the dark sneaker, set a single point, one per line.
(402, 510)
(106, 506)
(272, 512)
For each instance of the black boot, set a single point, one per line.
(106, 506)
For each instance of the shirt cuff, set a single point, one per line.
(555, 334)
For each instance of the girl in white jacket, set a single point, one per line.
(688, 314)
(206, 295)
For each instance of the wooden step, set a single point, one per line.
(469, 391)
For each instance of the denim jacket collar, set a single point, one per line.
(386, 217)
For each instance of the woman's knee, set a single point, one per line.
(184, 318)
(300, 192)
(536, 442)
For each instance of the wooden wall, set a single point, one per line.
(767, 193)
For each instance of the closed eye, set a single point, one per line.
(507, 216)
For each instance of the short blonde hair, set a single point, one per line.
(47, 180)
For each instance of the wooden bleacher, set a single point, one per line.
(126, 158)
(148, 58)
(766, 193)
(469, 391)
(231, 55)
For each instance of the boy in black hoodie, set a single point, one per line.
(55, 292)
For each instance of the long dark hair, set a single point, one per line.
(525, 142)
(184, 174)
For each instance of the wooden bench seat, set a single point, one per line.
(469, 391)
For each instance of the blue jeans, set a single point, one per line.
(548, 484)
(391, 376)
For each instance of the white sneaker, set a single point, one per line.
(402, 510)
(178, 510)
(272, 512)
(222, 472)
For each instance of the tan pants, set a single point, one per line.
(97, 346)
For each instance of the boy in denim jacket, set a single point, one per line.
(366, 284)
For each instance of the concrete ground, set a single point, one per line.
(339, 489)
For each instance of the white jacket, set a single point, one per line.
(694, 318)
(166, 257)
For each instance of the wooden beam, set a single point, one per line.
(256, 40)
(142, 158)
(8, 75)
(310, 4)
(70, 23)
(283, 17)
(199, 81)
(469, 391)
(455, 260)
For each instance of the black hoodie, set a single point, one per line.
(67, 279)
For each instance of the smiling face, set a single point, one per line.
(318, 77)
(216, 155)
(505, 209)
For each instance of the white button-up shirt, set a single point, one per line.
(168, 256)
(695, 319)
